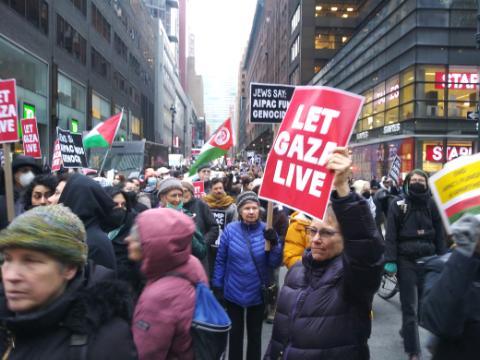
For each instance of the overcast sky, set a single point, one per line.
(221, 29)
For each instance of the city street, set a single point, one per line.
(385, 342)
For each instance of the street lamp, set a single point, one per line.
(173, 111)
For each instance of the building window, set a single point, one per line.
(35, 11)
(120, 82)
(325, 39)
(295, 49)
(295, 19)
(120, 47)
(100, 108)
(70, 93)
(338, 9)
(70, 40)
(136, 126)
(80, 5)
(134, 64)
(99, 64)
(100, 23)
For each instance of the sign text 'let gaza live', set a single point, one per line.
(318, 120)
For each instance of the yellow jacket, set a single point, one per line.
(296, 239)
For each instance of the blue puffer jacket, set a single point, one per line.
(235, 271)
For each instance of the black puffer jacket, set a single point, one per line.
(414, 228)
(92, 205)
(451, 305)
(94, 310)
(323, 311)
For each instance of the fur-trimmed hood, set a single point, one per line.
(90, 300)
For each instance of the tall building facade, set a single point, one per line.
(265, 61)
(416, 63)
(77, 62)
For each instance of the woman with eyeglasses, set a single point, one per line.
(324, 307)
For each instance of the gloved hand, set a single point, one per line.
(390, 268)
(466, 233)
(270, 235)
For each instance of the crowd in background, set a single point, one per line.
(111, 243)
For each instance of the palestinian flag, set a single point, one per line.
(102, 135)
(217, 146)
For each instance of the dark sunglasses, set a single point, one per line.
(324, 232)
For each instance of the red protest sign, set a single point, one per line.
(317, 121)
(31, 141)
(8, 111)
(199, 187)
(57, 156)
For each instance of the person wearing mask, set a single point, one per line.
(296, 239)
(89, 201)
(53, 304)
(204, 219)
(131, 191)
(362, 188)
(24, 170)
(163, 173)
(414, 230)
(170, 192)
(38, 192)
(150, 192)
(242, 269)
(324, 307)
(450, 307)
(161, 239)
(127, 270)
(224, 211)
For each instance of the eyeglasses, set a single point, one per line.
(324, 232)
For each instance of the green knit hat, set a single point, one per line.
(53, 229)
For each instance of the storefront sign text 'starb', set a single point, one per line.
(269, 103)
(8, 111)
(435, 152)
(318, 120)
(71, 147)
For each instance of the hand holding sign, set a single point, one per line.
(340, 162)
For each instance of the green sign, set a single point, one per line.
(28, 111)
(74, 126)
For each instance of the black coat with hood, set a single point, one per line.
(94, 310)
(203, 219)
(323, 311)
(414, 227)
(89, 201)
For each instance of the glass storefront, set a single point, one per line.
(31, 76)
(376, 159)
(423, 91)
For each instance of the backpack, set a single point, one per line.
(210, 323)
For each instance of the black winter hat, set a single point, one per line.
(22, 160)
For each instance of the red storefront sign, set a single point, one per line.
(435, 152)
(456, 80)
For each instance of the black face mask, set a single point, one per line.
(366, 194)
(131, 197)
(417, 188)
(114, 219)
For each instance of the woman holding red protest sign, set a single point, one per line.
(323, 311)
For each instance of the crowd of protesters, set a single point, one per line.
(86, 264)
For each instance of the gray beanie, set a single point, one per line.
(246, 196)
(169, 184)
